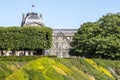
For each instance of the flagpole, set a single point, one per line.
(32, 6)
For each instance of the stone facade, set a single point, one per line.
(61, 42)
(61, 37)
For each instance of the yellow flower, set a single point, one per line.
(99, 68)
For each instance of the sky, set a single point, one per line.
(57, 14)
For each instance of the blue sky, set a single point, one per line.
(57, 13)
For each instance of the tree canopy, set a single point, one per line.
(25, 38)
(100, 39)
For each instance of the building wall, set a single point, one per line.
(61, 42)
(17, 53)
(61, 37)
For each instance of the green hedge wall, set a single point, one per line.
(25, 38)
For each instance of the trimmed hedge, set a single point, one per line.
(25, 38)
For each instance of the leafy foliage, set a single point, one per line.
(25, 38)
(37, 68)
(47, 69)
(100, 39)
(19, 58)
(10, 64)
(99, 68)
(65, 69)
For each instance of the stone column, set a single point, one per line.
(31, 53)
(26, 53)
(7, 53)
(16, 53)
(0, 53)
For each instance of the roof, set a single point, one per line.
(66, 32)
(32, 19)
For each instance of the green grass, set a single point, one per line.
(18, 58)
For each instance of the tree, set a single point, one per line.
(100, 39)
(25, 38)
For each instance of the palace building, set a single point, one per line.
(60, 40)
(32, 19)
(61, 37)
